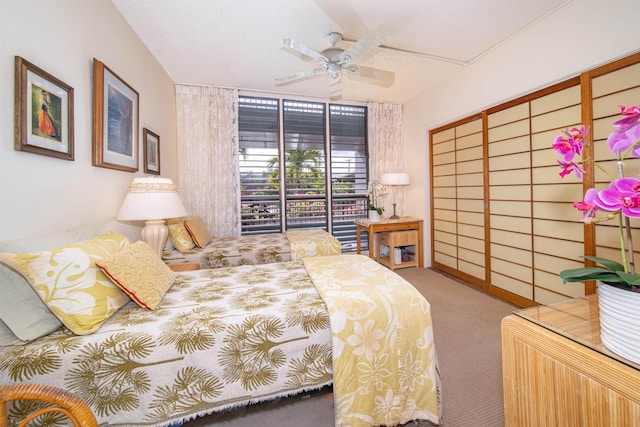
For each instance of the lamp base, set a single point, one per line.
(394, 216)
(155, 233)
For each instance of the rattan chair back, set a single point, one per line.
(61, 402)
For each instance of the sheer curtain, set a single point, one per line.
(208, 170)
(385, 150)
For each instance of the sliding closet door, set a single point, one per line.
(534, 229)
(558, 232)
(509, 151)
(531, 229)
(458, 218)
(612, 86)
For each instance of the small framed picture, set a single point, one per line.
(43, 112)
(115, 121)
(151, 148)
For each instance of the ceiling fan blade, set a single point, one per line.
(361, 47)
(298, 48)
(296, 77)
(335, 87)
(379, 77)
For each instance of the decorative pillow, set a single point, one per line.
(179, 235)
(21, 309)
(140, 273)
(198, 231)
(69, 283)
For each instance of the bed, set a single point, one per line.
(252, 249)
(233, 336)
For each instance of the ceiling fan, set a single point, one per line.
(335, 61)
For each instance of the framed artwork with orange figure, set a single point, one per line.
(43, 112)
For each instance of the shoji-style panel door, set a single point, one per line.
(511, 245)
(535, 232)
(558, 233)
(612, 86)
(444, 214)
(458, 213)
(531, 229)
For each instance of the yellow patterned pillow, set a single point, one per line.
(179, 235)
(69, 283)
(198, 231)
(140, 273)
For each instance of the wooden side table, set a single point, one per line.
(384, 225)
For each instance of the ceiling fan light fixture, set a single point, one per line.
(333, 38)
(334, 60)
(333, 68)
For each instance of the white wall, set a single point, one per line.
(578, 37)
(41, 194)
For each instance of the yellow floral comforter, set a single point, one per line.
(254, 249)
(384, 360)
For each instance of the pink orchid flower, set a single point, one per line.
(622, 195)
(631, 117)
(570, 143)
(568, 167)
(587, 205)
(621, 140)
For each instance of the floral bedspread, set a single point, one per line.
(306, 243)
(221, 338)
(233, 336)
(259, 249)
(384, 359)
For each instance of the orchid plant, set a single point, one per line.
(374, 191)
(620, 200)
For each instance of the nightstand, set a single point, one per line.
(388, 225)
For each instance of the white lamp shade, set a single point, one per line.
(399, 178)
(151, 198)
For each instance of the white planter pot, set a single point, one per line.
(620, 321)
(374, 216)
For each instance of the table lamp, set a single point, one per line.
(394, 179)
(152, 200)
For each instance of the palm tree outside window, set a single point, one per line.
(324, 164)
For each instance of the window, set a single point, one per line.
(294, 190)
(349, 171)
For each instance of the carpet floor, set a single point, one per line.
(466, 326)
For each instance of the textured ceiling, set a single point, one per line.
(237, 43)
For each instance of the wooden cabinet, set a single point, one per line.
(556, 372)
(403, 240)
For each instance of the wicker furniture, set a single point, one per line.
(184, 266)
(556, 372)
(61, 402)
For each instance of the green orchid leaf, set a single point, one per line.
(583, 272)
(609, 264)
(630, 279)
(590, 273)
